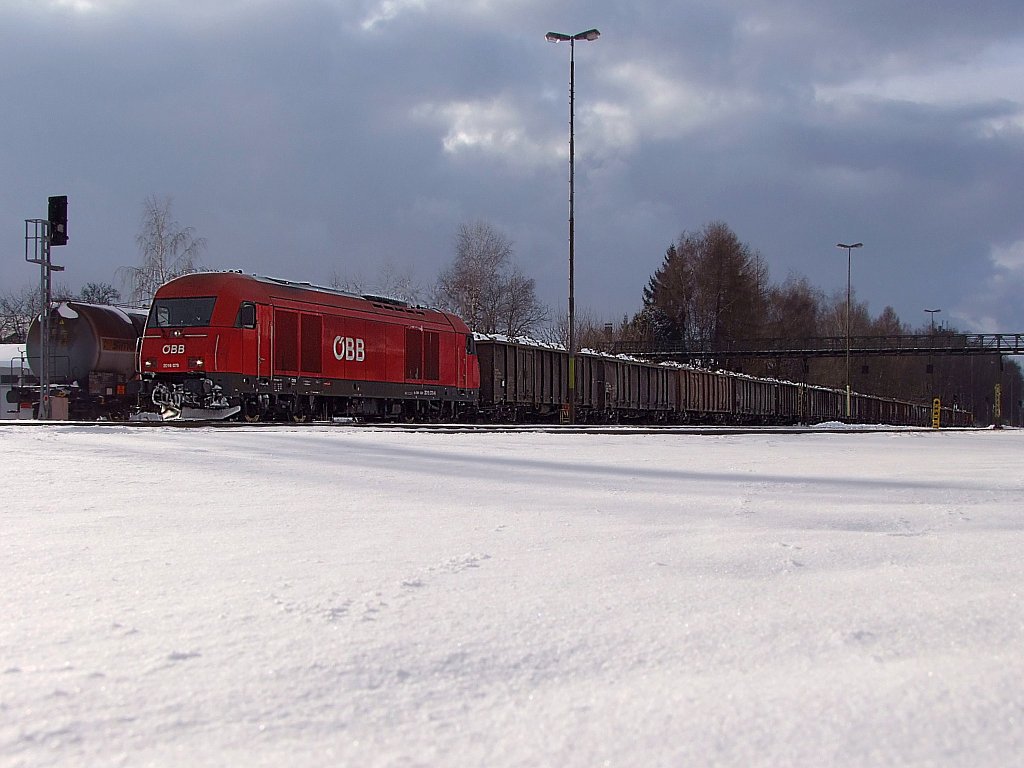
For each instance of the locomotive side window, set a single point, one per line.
(181, 313)
(246, 315)
(470, 344)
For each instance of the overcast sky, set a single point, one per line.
(307, 138)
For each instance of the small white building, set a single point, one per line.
(14, 371)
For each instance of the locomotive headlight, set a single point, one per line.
(176, 333)
(195, 362)
(149, 363)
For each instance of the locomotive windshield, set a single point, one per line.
(181, 313)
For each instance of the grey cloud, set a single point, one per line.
(293, 139)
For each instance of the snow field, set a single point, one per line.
(343, 596)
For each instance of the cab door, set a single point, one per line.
(253, 325)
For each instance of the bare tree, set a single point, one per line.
(17, 311)
(590, 333)
(484, 287)
(353, 283)
(793, 309)
(99, 293)
(470, 286)
(391, 282)
(166, 250)
(521, 313)
(710, 288)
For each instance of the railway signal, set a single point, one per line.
(40, 235)
(58, 218)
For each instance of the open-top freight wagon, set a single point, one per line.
(522, 380)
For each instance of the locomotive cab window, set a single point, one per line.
(181, 313)
(470, 344)
(246, 315)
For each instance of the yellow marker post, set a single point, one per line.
(936, 412)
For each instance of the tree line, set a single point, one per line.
(710, 289)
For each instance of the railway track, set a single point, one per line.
(578, 429)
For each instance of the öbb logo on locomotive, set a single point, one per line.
(349, 348)
(344, 348)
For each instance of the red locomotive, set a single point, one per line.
(217, 344)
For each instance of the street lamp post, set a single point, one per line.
(849, 268)
(558, 37)
(932, 312)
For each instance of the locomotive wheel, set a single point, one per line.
(251, 411)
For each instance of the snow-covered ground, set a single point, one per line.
(335, 596)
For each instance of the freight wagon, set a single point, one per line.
(524, 381)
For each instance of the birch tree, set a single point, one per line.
(166, 250)
(485, 288)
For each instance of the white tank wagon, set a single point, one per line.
(14, 375)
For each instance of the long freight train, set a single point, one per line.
(222, 345)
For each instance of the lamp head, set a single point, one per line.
(560, 37)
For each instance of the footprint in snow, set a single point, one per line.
(183, 655)
(462, 562)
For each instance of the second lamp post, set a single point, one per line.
(849, 268)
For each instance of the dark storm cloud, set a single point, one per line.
(309, 138)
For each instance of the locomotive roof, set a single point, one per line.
(223, 279)
(261, 287)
